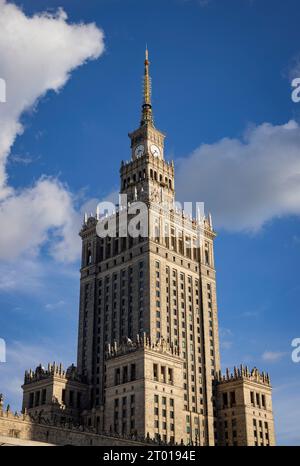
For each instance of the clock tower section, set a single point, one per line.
(147, 177)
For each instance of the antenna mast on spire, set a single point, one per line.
(147, 116)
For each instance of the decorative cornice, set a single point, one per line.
(128, 346)
(53, 370)
(243, 373)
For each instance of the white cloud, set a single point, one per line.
(57, 305)
(27, 217)
(225, 335)
(37, 55)
(29, 270)
(272, 356)
(226, 344)
(22, 159)
(36, 278)
(245, 183)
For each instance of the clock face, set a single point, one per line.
(139, 150)
(154, 150)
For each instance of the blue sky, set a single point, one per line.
(219, 70)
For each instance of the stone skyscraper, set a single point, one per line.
(148, 343)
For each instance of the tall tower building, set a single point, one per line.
(148, 340)
(148, 345)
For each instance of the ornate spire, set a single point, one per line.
(146, 107)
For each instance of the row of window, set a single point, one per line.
(261, 433)
(68, 397)
(229, 399)
(258, 400)
(108, 247)
(184, 245)
(164, 414)
(125, 374)
(163, 374)
(124, 414)
(142, 175)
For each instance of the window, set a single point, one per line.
(117, 376)
(125, 374)
(206, 257)
(37, 398)
(155, 372)
(133, 372)
(225, 400)
(232, 398)
(44, 392)
(257, 399)
(170, 375)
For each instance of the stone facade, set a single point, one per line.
(144, 390)
(148, 344)
(245, 409)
